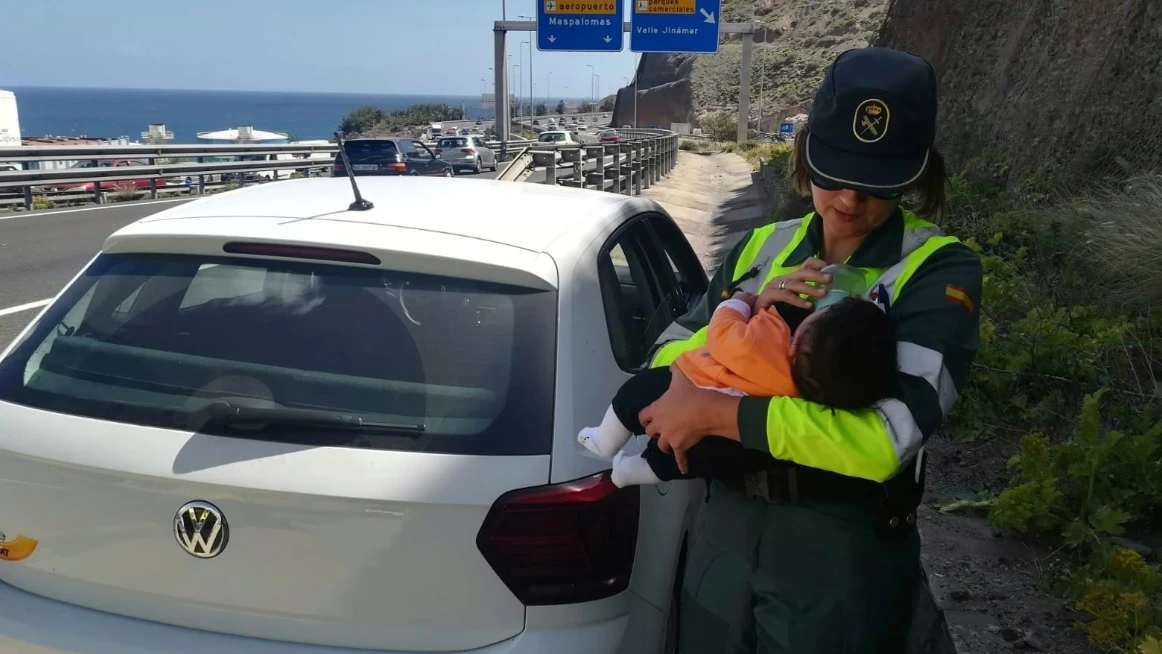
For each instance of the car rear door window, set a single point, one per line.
(460, 366)
(630, 295)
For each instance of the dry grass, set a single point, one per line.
(1124, 240)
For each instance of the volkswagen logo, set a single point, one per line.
(201, 529)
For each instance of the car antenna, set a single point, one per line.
(359, 204)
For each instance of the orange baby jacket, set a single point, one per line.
(749, 354)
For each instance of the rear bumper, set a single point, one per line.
(30, 624)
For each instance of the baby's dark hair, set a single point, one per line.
(847, 359)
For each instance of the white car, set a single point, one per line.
(560, 138)
(263, 423)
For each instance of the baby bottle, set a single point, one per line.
(846, 281)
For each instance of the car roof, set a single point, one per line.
(528, 216)
(378, 138)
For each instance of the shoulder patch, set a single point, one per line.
(959, 295)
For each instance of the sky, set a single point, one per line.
(442, 47)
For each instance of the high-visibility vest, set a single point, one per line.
(768, 248)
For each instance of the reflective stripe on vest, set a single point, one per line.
(770, 246)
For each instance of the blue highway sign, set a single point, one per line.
(787, 128)
(580, 25)
(676, 26)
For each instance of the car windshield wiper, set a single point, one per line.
(227, 414)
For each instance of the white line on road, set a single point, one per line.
(119, 205)
(24, 307)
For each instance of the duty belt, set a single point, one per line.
(893, 503)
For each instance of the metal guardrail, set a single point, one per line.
(626, 167)
(518, 168)
(34, 181)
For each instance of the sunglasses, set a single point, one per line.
(829, 185)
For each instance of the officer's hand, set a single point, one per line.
(746, 298)
(787, 288)
(675, 419)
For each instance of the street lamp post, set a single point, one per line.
(590, 66)
(532, 95)
(636, 69)
(530, 68)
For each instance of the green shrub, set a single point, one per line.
(1067, 322)
(42, 202)
(1094, 485)
(720, 127)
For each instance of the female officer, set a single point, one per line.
(819, 554)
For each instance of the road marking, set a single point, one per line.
(24, 307)
(119, 205)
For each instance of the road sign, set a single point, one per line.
(677, 26)
(787, 127)
(580, 25)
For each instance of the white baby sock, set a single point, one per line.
(607, 438)
(632, 469)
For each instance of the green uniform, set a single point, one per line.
(815, 577)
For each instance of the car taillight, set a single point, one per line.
(438, 150)
(468, 150)
(564, 543)
(398, 167)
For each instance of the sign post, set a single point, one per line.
(579, 25)
(675, 26)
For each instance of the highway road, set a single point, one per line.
(41, 251)
(601, 117)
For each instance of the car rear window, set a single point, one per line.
(452, 143)
(551, 137)
(156, 340)
(370, 149)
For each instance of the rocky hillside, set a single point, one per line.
(1057, 90)
(795, 40)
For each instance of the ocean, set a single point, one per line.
(128, 112)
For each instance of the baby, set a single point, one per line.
(842, 355)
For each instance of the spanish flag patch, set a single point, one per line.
(959, 296)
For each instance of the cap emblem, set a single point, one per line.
(871, 120)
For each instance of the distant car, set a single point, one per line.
(466, 153)
(391, 156)
(464, 131)
(609, 136)
(111, 185)
(536, 122)
(261, 423)
(561, 137)
(582, 128)
(478, 122)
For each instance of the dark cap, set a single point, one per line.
(873, 120)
